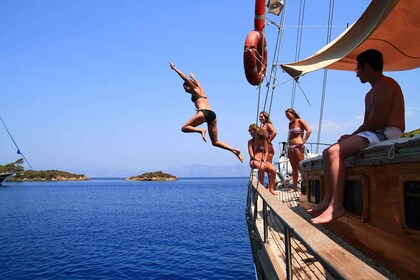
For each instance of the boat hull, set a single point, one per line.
(382, 198)
(4, 177)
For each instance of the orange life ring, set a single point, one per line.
(255, 57)
(259, 20)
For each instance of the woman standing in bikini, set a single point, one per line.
(270, 134)
(297, 128)
(258, 152)
(204, 113)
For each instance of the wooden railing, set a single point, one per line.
(340, 263)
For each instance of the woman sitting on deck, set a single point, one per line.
(258, 151)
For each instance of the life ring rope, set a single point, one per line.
(255, 57)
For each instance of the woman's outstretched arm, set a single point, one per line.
(181, 74)
(194, 80)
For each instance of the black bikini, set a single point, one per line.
(209, 115)
(195, 97)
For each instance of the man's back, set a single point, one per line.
(385, 105)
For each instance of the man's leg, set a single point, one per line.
(335, 177)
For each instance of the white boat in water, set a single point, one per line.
(12, 168)
(379, 237)
(4, 177)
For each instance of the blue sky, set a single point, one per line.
(85, 86)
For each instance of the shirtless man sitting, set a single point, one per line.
(383, 119)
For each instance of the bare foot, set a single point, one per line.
(272, 191)
(329, 215)
(238, 154)
(292, 190)
(318, 209)
(203, 134)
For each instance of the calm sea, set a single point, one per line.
(113, 229)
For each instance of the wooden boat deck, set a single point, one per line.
(313, 254)
(304, 264)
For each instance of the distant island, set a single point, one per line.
(13, 167)
(47, 175)
(152, 176)
(42, 175)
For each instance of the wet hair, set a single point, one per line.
(372, 57)
(267, 116)
(293, 112)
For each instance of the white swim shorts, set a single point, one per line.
(379, 135)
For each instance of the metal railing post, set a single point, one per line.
(265, 214)
(288, 252)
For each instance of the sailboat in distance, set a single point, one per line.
(11, 170)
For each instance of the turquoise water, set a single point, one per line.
(113, 229)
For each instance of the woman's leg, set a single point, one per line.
(295, 167)
(300, 155)
(271, 170)
(335, 175)
(217, 143)
(193, 122)
(256, 164)
(271, 153)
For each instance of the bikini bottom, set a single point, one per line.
(292, 148)
(209, 115)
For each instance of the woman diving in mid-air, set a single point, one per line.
(204, 113)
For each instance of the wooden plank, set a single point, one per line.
(304, 265)
(266, 265)
(275, 266)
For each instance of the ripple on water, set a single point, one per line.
(111, 229)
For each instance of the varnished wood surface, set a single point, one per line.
(382, 234)
(309, 244)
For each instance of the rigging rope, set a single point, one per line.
(324, 82)
(14, 142)
(258, 136)
(298, 46)
(270, 81)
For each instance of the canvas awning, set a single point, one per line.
(390, 26)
